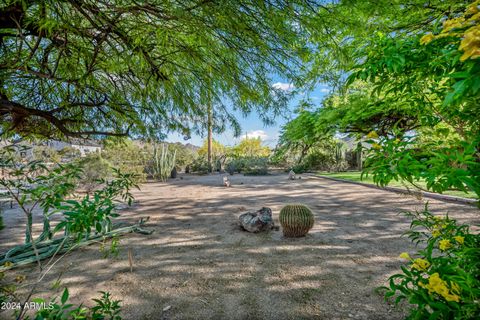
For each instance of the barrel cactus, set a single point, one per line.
(296, 220)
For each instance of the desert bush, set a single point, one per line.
(127, 156)
(46, 154)
(316, 160)
(200, 165)
(299, 168)
(441, 279)
(256, 166)
(68, 154)
(37, 185)
(94, 169)
(231, 168)
(236, 165)
(95, 212)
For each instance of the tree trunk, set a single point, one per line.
(359, 156)
(303, 154)
(209, 124)
(28, 231)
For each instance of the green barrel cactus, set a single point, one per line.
(296, 220)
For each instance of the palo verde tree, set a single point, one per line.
(250, 147)
(84, 67)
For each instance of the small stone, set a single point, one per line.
(291, 175)
(167, 308)
(226, 182)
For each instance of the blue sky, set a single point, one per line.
(252, 126)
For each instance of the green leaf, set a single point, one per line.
(64, 296)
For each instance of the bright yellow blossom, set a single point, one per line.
(436, 233)
(372, 135)
(405, 255)
(437, 285)
(453, 24)
(445, 245)
(459, 239)
(470, 44)
(427, 38)
(420, 264)
(473, 8)
(465, 27)
(376, 146)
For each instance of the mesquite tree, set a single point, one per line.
(84, 67)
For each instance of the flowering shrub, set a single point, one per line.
(442, 281)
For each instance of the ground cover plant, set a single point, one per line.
(84, 221)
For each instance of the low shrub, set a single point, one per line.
(236, 165)
(441, 280)
(299, 168)
(94, 169)
(231, 168)
(104, 308)
(200, 166)
(256, 167)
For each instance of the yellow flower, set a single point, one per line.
(420, 264)
(452, 297)
(459, 239)
(8, 264)
(20, 278)
(436, 233)
(472, 8)
(404, 255)
(453, 24)
(470, 44)
(376, 146)
(445, 245)
(372, 135)
(427, 38)
(438, 286)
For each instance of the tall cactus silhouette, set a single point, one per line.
(163, 162)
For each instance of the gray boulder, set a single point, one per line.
(257, 221)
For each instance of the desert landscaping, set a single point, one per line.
(198, 263)
(199, 159)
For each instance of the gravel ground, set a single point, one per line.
(198, 264)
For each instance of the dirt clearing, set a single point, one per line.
(199, 265)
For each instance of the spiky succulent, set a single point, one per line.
(296, 220)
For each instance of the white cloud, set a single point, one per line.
(325, 90)
(283, 86)
(256, 134)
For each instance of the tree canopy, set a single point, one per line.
(83, 67)
(414, 95)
